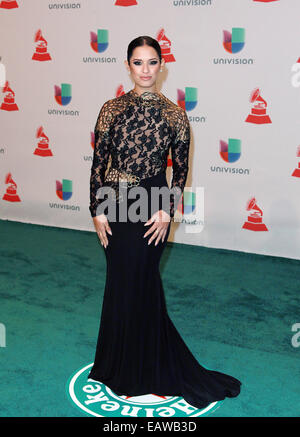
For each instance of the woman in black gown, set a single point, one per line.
(139, 351)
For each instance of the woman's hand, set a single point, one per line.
(161, 221)
(102, 226)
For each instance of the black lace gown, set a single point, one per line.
(139, 350)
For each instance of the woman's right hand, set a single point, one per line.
(102, 226)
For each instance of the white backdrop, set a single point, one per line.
(217, 52)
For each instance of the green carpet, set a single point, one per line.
(234, 310)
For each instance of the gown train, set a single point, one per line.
(139, 350)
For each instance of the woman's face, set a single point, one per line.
(144, 66)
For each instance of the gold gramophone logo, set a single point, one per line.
(41, 50)
(296, 172)
(8, 103)
(259, 109)
(42, 148)
(11, 191)
(254, 222)
(165, 45)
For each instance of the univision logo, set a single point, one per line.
(64, 189)
(64, 192)
(187, 99)
(187, 203)
(230, 152)
(99, 42)
(96, 399)
(233, 42)
(63, 94)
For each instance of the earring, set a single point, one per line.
(128, 71)
(161, 70)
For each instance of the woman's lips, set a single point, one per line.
(145, 77)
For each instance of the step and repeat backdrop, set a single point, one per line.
(233, 65)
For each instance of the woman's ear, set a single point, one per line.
(127, 66)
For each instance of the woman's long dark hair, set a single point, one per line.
(142, 41)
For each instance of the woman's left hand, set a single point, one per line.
(161, 221)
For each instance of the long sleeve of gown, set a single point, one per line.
(180, 156)
(100, 157)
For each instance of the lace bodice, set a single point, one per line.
(136, 132)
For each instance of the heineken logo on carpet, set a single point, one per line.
(96, 399)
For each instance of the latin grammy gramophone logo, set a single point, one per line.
(41, 54)
(254, 222)
(234, 42)
(188, 98)
(8, 4)
(230, 151)
(63, 94)
(125, 3)
(8, 103)
(258, 111)
(42, 148)
(296, 172)
(11, 191)
(99, 40)
(165, 45)
(120, 91)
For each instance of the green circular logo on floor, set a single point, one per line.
(96, 399)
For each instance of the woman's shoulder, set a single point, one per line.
(175, 114)
(178, 110)
(111, 107)
(115, 103)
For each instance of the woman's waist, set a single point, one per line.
(117, 176)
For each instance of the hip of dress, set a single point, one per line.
(138, 202)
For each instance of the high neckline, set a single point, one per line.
(146, 95)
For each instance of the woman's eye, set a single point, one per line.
(139, 62)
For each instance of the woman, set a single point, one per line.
(139, 351)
